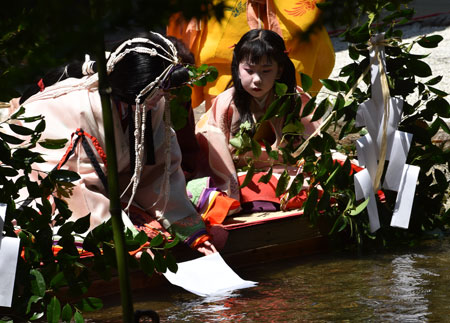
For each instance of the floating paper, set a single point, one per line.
(207, 276)
(9, 251)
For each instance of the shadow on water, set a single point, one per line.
(400, 286)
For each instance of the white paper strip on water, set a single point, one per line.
(398, 155)
(9, 251)
(364, 189)
(207, 276)
(405, 197)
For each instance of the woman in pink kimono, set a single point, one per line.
(148, 155)
(259, 59)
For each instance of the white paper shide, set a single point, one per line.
(9, 251)
(384, 142)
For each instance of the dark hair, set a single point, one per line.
(252, 47)
(135, 70)
(129, 76)
(184, 54)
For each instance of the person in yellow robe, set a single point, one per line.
(211, 41)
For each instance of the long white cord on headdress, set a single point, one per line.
(140, 112)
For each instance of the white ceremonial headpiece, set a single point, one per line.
(148, 91)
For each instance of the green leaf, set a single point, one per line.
(30, 119)
(248, 176)
(297, 185)
(434, 80)
(90, 304)
(282, 183)
(53, 310)
(444, 125)
(311, 202)
(36, 316)
(360, 207)
(66, 315)
(58, 280)
(63, 175)
(11, 139)
(237, 142)
(256, 148)
(324, 201)
(20, 130)
(33, 299)
(78, 317)
(266, 177)
(172, 243)
(212, 74)
(171, 262)
(272, 109)
(160, 264)
(419, 68)
(280, 88)
(430, 41)
(306, 82)
(178, 114)
(40, 127)
(53, 143)
(141, 237)
(146, 263)
(82, 224)
(294, 127)
(157, 241)
(353, 53)
(38, 283)
(439, 106)
(331, 85)
(437, 91)
(8, 171)
(331, 177)
(285, 108)
(309, 107)
(18, 113)
(320, 111)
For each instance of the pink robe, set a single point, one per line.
(214, 133)
(75, 103)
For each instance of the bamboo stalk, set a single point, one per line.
(113, 182)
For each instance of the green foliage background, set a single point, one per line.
(39, 35)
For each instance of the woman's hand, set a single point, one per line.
(206, 248)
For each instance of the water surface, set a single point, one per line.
(411, 285)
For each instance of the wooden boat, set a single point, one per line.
(253, 239)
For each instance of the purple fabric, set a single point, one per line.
(204, 197)
(259, 206)
(193, 237)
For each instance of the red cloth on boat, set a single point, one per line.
(259, 191)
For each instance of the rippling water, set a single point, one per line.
(403, 286)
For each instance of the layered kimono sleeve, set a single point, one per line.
(213, 133)
(162, 188)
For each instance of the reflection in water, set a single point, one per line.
(402, 287)
(403, 296)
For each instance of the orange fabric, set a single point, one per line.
(219, 209)
(200, 240)
(297, 201)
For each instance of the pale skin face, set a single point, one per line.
(258, 79)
